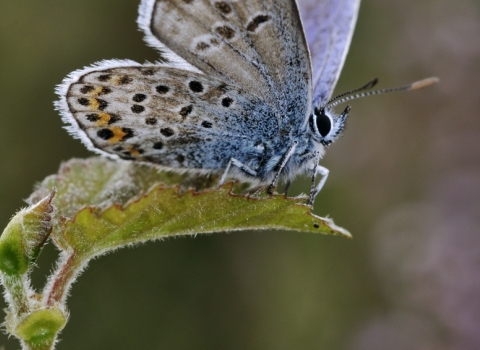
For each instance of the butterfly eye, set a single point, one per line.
(324, 123)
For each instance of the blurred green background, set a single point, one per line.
(404, 179)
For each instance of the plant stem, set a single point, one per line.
(62, 279)
(17, 293)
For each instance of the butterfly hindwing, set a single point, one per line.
(168, 116)
(256, 44)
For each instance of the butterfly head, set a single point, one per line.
(327, 126)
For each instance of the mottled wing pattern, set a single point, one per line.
(169, 116)
(257, 45)
(329, 28)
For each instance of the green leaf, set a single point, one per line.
(118, 196)
(164, 212)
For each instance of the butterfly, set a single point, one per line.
(242, 89)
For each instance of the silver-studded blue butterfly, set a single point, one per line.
(243, 89)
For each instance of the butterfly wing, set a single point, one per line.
(169, 116)
(329, 26)
(256, 45)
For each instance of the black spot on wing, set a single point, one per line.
(167, 132)
(225, 31)
(162, 89)
(128, 133)
(104, 77)
(124, 80)
(139, 97)
(105, 90)
(196, 86)
(83, 101)
(202, 46)
(92, 117)
(226, 102)
(137, 109)
(86, 89)
(256, 22)
(102, 104)
(186, 111)
(223, 7)
(105, 134)
(157, 145)
(151, 121)
(114, 118)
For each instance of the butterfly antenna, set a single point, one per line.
(367, 86)
(413, 86)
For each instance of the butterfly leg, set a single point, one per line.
(287, 186)
(317, 170)
(239, 165)
(284, 162)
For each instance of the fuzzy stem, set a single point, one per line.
(61, 280)
(17, 294)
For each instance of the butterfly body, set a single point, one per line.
(236, 95)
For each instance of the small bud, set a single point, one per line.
(24, 237)
(40, 328)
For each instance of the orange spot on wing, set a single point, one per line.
(93, 104)
(118, 134)
(104, 119)
(98, 91)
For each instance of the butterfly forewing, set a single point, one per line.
(257, 45)
(172, 117)
(329, 28)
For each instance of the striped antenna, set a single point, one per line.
(347, 96)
